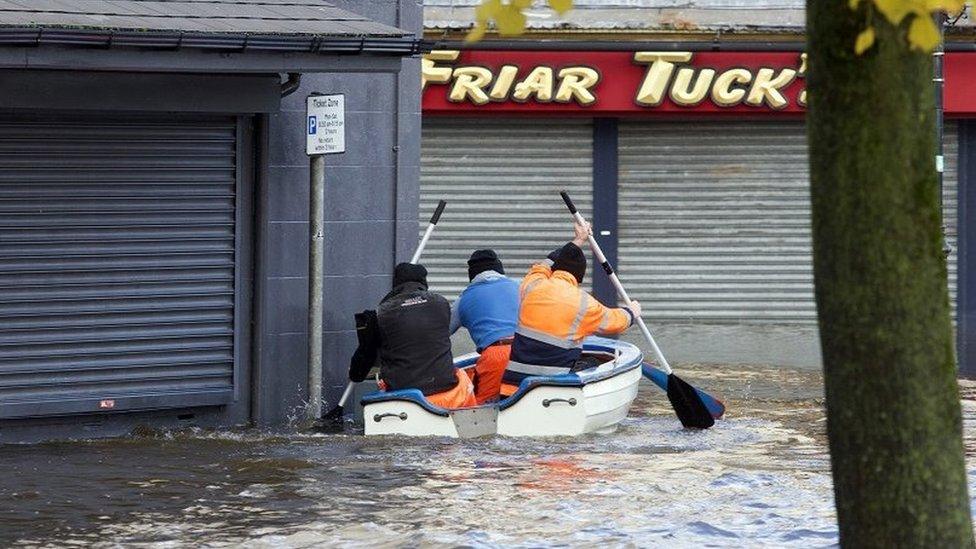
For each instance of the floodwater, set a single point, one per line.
(759, 478)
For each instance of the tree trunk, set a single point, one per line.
(893, 414)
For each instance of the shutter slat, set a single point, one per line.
(117, 262)
(501, 180)
(715, 220)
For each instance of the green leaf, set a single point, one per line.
(561, 6)
(864, 40)
(923, 34)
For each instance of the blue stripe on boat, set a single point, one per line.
(409, 395)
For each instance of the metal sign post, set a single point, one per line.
(325, 134)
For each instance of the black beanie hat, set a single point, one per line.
(571, 260)
(409, 272)
(484, 260)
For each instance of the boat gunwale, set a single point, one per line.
(573, 380)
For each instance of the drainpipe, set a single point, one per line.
(291, 84)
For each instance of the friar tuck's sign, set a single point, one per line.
(640, 83)
(614, 82)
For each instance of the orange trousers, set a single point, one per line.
(490, 367)
(460, 396)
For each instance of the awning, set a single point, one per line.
(265, 26)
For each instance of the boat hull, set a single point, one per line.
(570, 411)
(564, 405)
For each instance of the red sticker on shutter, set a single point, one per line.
(106, 404)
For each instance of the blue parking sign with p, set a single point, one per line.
(325, 124)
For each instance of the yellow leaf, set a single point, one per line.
(522, 4)
(950, 6)
(896, 10)
(476, 33)
(853, 4)
(487, 10)
(864, 40)
(923, 34)
(510, 21)
(955, 7)
(561, 6)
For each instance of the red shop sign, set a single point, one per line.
(637, 83)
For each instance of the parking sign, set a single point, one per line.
(326, 131)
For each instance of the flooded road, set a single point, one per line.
(759, 478)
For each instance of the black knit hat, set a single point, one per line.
(409, 272)
(571, 260)
(484, 260)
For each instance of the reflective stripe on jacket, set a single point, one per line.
(554, 318)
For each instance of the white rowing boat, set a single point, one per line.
(587, 401)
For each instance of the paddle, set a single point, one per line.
(688, 406)
(337, 412)
(714, 405)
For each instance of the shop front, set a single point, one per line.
(693, 164)
(154, 208)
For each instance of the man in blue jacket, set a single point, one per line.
(488, 308)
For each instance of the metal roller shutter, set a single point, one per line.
(501, 179)
(950, 204)
(715, 220)
(117, 263)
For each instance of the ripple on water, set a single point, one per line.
(759, 478)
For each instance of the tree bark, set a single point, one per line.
(893, 414)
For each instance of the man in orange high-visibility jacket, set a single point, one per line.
(556, 315)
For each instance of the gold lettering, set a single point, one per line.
(659, 70)
(686, 94)
(723, 94)
(765, 89)
(469, 83)
(538, 83)
(575, 82)
(430, 72)
(503, 84)
(802, 99)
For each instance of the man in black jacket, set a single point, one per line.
(410, 332)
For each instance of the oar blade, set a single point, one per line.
(691, 411)
(714, 405)
(334, 414)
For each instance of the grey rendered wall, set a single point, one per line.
(371, 219)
